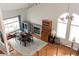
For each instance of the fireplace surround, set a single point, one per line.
(37, 29)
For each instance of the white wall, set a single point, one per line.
(46, 11)
(51, 11)
(12, 13)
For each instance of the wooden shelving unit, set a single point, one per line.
(46, 30)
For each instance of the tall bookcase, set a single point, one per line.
(46, 29)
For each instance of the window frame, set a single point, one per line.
(57, 28)
(62, 23)
(19, 20)
(68, 29)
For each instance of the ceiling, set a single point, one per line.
(14, 6)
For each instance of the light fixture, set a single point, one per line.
(68, 16)
(62, 18)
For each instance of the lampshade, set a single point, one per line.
(53, 33)
(73, 39)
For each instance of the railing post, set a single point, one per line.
(46, 51)
(37, 53)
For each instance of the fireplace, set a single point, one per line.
(37, 29)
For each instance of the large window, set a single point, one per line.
(74, 30)
(61, 30)
(62, 26)
(73, 27)
(12, 24)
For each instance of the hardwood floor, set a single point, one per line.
(51, 50)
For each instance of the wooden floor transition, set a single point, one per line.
(51, 50)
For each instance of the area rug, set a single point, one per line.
(30, 49)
